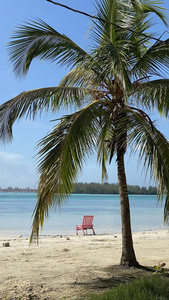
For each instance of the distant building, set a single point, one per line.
(9, 188)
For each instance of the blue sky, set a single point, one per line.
(17, 162)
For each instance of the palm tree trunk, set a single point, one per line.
(128, 257)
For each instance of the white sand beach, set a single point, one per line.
(66, 267)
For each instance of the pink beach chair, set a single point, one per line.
(86, 224)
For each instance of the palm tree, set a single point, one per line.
(111, 89)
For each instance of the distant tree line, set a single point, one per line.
(95, 188)
(111, 188)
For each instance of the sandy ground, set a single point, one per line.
(63, 267)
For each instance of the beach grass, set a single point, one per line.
(149, 288)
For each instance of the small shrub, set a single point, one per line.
(159, 268)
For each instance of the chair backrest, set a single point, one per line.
(87, 220)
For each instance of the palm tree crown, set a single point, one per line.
(111, 89)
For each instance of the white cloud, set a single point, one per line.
(8, 156)
(16, 170)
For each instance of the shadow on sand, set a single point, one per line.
(115, 275)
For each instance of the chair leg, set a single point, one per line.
(76, 230)
(93, 231)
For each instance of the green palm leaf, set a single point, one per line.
(154, 151)
(30, 103)
(85, 76)
(60, 158)
(154, 94)
(113, 60)
(149, 6)
(104, 136)
(154, 7)
(154, 61)
(38, 39)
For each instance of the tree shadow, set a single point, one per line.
(116, 275)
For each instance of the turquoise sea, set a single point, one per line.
(16, 214)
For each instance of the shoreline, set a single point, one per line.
(17, 235)
(68, 266)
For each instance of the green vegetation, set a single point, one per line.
(151, 288)
(111, 188)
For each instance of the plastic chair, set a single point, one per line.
(86, 224)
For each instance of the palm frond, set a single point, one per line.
(113, 18)
(118, 48)
(154, 61)
(153, 149)
(30, 103)
(114, 62)
(60, 159)
(38, 39)
(87, 76)
(99, 69)
(154, 94)
(103, 139)
(152, 6)
(137, 5)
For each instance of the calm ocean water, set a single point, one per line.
(16, 214)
